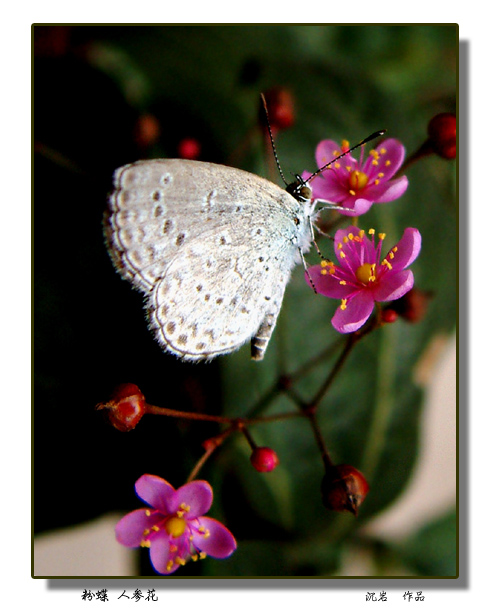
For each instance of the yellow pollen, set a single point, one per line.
(340, 246)
(169, 565)
(343, 304)
(194, 557)
(206, 535)
(324, 263)
(376, 181)
(202, 530)
(361, 234)
(148, 513)
(191, 537)
(146, 532)
(381, 236)
(383, 151)
(350, 236)
(344, 145)
(175, 526)
(173, 548)
(374, 154)
(342, 255)
(365, 273)
(371, 231)
(394, 249)
(391, 255)
(337, 165)
(180, 560)
(385, 262)
(323, 272)
(184, 507)
(145, 543)
(180, 513)
(375, 163)
(348, 167)
(343, 282)
(380, 174)
(336, 153)
(387, 163)
(202, 555)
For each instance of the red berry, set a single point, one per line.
(281, 108)
(344, 488)
(125, 407)
(264, 459)
(442, 130)
(189, 148)
(389, 315)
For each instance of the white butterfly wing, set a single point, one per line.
(212, 247)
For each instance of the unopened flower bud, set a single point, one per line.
(281, 108)
(344, 488)
(125, 407)
(442, 132)
(264, 459)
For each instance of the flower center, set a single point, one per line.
(358, 180)
(366, 273)
(175, 527)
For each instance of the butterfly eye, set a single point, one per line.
(305, 193)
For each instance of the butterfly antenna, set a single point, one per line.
(371, 137)
(272, 139)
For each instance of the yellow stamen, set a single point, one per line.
(169, 565)
(323, 272)
(361, 234)
(351, 192)
(387, 163)
(371, 231)
(337, 165)
(375, 163)
(343, 282)
(179, 560)
(344, 145)
(343, 304)
(146, 532)
(376, 181)
(383, 151)
(385, 262)
(173, 548)
(194, 557)
(202, 555)
(391, 255)
(342, 255)
(380, 174)
(381, 236)
(148, 513)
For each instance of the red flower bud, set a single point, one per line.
(125, 407)
(189, 148)
(442, 130)
(264, 459)
(281, 108)
(343, 488)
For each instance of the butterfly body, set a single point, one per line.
(212, 249)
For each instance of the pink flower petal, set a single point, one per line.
(155, 491)
(357, 312)
(389, 191)
(220, 543)
(326, 284)
(160, 553)
(360, 207)
(394, 285)
(389, 162)
(129, 530)
(198, 495)
(408, 248)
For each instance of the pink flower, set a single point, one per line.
(174, 528)
(361, 279)
(358, 184)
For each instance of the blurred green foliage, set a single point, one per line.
(347, 81)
